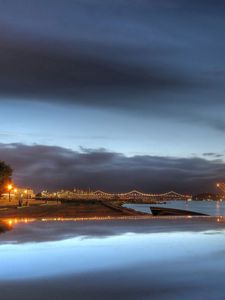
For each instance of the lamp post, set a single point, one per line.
(9, 187)
(15, 193)
(26, 196)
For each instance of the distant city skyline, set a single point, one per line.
(113, 95)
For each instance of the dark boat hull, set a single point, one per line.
(163, 211)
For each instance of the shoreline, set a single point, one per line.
(84, 210)
(80, 211)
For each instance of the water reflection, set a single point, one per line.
(132, 259)
(5, 226)
(56, 229)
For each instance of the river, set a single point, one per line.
(212, 208)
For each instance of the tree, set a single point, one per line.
(5, 175)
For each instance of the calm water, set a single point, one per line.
(212, 208)
(139, 259)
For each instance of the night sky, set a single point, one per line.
(113, 94)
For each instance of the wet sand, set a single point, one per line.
(156, 258)
(95, 209)
(50, 229)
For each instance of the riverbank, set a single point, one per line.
(92, 209)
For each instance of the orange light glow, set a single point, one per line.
(9, 187)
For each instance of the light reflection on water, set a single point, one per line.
(141, 259)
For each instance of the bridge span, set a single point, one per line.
(101, 195)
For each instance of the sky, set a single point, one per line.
(113, 95)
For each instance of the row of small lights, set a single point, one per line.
(28, 220)
(10, 187)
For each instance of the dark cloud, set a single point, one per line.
(212, 154)
(152, 58)
(32, 71)
(151, 54)
(54, 168)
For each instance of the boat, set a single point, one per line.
(164, 211)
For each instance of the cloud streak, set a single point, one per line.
(55, 168)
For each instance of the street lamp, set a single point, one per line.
(9, 187)
(26, 196)
(15, 192)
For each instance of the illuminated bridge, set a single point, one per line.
(136, 195)
(101, 195)
(221, 186)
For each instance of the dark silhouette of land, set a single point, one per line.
(87, 209)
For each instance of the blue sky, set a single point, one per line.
(74, 126)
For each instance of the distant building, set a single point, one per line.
(208, 196)
(19, 193)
